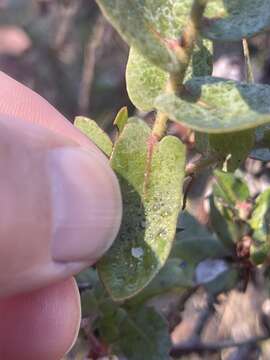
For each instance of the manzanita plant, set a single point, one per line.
(156, 252)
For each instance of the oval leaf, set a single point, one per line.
(226, 230)
(217, 105)
(194, 243)
(176, 276)
(121, 119)
(260, 223)
(230, 189)
(146, 25)
(224, 282)
(232, 148)
(196, 249)
(145, 335)
(149, 221)
(235, 19)
(146, 81)
(236, 146)
(91, 129)
(141, 334)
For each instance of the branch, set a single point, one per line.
(184, 51)
(248, 66)
(198, 166)
(199, 347)
(94, 41)
(188, 40)
(65, 22)
(160, 126)
(204, 317)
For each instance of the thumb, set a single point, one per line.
(60, 206)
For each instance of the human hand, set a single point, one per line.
(60, 210)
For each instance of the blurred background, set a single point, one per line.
(67, 52)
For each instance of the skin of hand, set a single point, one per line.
(60, 211)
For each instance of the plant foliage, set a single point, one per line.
(161, 249)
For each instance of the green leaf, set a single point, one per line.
(146, 81)
(202, 60)
(196, 249)
(189, 226)
(89, 304)
(226, 230)
(141, 334)
(175, 276)
(91, 129)
(194, 243)
(224, 282)
(227, 208)
(149, 219)
(87, 278)
(259, 252)
(144, 335)
(235, 19)
(260, 223)
(109, 322)
(261, 212)
(216, 105)
(146, 25)
(230, 189)
(216, 276)
(121, 119)
(232, 148)
(235, 145)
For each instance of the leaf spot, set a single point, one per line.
(137, 252)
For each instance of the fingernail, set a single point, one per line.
(86, 205)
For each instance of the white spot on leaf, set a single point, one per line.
(137, 252)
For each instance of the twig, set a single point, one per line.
(202, 321)
(184, 48)
(160, 125)
(204, 318)
(185, 297)
(186, 191)
(199, 347)
(188, 40)
(245, 352)
(193, 169)
(68, 13)
(248, 66)
(198, 166)
(49, 56)
(94, 41)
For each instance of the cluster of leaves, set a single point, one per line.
(154, 253)
(217, 258)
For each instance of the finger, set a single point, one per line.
(40, 325)
(18, 101)
(60, 207)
